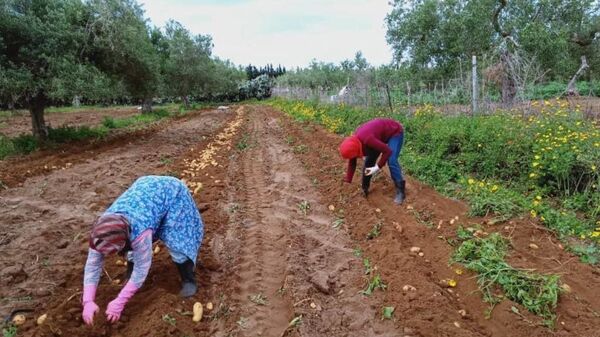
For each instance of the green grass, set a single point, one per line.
(538, 293)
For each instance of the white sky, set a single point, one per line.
(287, 32)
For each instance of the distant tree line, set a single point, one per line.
(252, 72)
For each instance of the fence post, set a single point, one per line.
(389, 97)
(475, 94)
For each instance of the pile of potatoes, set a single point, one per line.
(206, 158)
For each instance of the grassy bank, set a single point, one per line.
(25, 144)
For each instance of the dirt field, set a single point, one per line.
(20, 123)
(271, 254)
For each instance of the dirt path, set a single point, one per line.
(291, 264)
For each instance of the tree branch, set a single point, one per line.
(571, 88)
(495, 20)
(584, 39)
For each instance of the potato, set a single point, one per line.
(197, 312)
(18, 319)
(209, 306)
(42, 319)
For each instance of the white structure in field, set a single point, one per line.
(340, 96)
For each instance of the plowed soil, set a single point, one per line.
(276, 259)
(20, 122)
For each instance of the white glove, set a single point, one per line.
(372, 170)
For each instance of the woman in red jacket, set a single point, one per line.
(377, 137)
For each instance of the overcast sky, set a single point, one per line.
(287, 32)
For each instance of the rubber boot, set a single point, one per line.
(366, 182)
(188, 278)
(400, 192)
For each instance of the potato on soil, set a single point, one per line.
(19, 319)
(42, 319)
(197, 312)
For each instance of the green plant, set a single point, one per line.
(387, 312)
(486, 256)
(169, 319)
(7, 147)
(375, 231)
(243, 143)
(374, 283)
(165, 160)
(357, 252)
(242, 322)
(337, 223)
(25, 144)
(423, 217)
(300, 149)
(9, 330)
(109, 122)
(304, 207)
(295, 322)
(258, 299)
(367, 265)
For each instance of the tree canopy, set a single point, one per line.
(101, 50)
(435, 34)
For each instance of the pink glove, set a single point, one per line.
(116, 306)
(89, 307)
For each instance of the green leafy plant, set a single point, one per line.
(244, 143)
(375, 231)
(357, 252)
(486, 256)
(109, 122)
(337, 223)
(367, 265)
(258, 299)
(242, 322)
(304, 207)
(9, 330)
(169, 319)
(374, 283)
(387, 312)
(300, 149)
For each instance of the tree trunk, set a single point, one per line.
(147, 105)
(186, 102)
(571, 88)
(389, 98)
(509, 88)
(38, 124)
